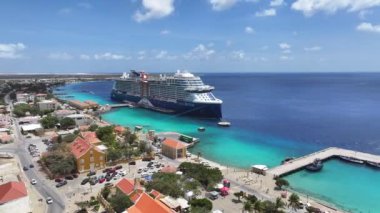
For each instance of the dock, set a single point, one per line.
(325, 154)
(119, 105)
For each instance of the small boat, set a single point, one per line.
(224, 124)
(373, 164)
(315, 166)
(287, 160)
(201, 129)
(351, 159)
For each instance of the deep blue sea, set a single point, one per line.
(279, 115)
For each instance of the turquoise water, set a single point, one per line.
(349, 187)
(354, 188)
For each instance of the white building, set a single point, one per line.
(24, 97)
(14, 197)
(63, 113)
(47, 105)
(81, 119)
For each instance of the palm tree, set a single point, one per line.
(281, 182)
(258, 207)
(239, 195)
(294, 200)
(279, 203)
(247, 206)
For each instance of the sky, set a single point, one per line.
(89, 36)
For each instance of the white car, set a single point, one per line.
(33, 182)
(49, 200)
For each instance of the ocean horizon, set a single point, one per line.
(275, 116)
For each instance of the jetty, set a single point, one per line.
(325, 154)
(119, 105)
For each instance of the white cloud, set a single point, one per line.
(154, 9)
(287, 51)
(313, 49)
(249, 30)
(276, 3)
(284, 46)
(85, 5)
(368, 27)
(85, 57)
(268, 12)
(11, 50)
(162, 54)
(60, 56)
(364, 13)
(164, 32)
(200, 52)
(238, 55)
(65, 11)
(286, 58)
(110, 56)
(310, 7)
(220, 5)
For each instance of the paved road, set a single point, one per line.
(42, 187)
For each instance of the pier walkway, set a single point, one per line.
(119, 105)
(325, 154)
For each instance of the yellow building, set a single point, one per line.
(88, 156)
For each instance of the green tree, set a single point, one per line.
(67, 123)
(103, 132)
(49, 121)
(93, 127)
(258, 206)
(208, 177)
(279, 203)
(294, 200)
(280, 182)
(201, 204)
(60, 162)
(239, 195)
(113, 154)
(166, 183)
(251, 198)
(248, 206)
(120, 202)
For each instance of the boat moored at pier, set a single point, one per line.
(351, 159)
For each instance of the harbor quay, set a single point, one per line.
(325, 154)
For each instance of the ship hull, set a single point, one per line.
(203, 110)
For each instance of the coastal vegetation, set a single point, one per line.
(119, 201)
(59, 161)
(67, 123)
(200, 205)
(280, 182)
(262, 206)
(294, 201)
(206, 176)
(49, 121)
(21, 110)
(166, 183)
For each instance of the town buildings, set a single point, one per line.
(14, 197)
(173, 149)
(47, 105)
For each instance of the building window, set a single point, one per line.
(82, 161)
(101, 157)
(91, 159)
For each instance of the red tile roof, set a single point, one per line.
(146, 204)
(174, 143)
(127, 186)
(134, 196)
(156, 194)
(11, 191)
(119, 129)
(79, 147)
(90, 137)
(169, 169)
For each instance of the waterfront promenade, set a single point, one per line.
(325, 154)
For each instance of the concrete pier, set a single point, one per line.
(325, 154)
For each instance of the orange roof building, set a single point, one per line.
(90, 137)
(127, 186)
(11, 191)
(173, 148)
(146, 204)
(88, 157)
(119, 130)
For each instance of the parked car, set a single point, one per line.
(132, 163)
(31, 166)
(213, 195)
(84, 181)
(91, 173)
(101, 180)
(58, 180)
(108, 184)
(60, 184)
(25, 168)
(106, 170)
(108, 178)
(75, 175)
(49, 200)
(118, 167)
(69, 177)
(93, 181)
(33, 181)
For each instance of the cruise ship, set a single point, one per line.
(181, 93)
